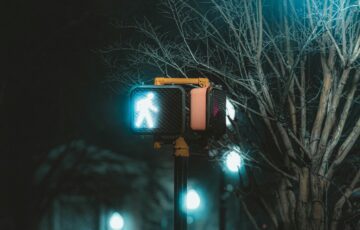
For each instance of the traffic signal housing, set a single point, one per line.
(208, 110)
(157, 110)
(160, 110)
(216, 110)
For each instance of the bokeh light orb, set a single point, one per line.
(116, 221)
(233, 161)
(192, 200)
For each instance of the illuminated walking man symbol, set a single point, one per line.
(144, 109)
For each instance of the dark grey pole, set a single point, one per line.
(222, 201)
(180, 183)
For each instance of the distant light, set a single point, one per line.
(190, 219)
(230, 112)
(229, 188)
(116, 221)
(233, 161)
(192, 200)
(145, 108)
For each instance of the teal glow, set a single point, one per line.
(233, 161)
(116, 221)
(145, 111)
(192, 200)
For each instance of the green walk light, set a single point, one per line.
(157, 110)
(146, 110)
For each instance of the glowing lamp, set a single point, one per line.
(233, 161)
(146, 110)
(192, 200)
(116, 221)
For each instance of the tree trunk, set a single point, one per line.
(337, 213)
(303, 200)
(285, 205)
(317, 203)
(287, 200)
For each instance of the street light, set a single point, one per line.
(230, 112)
(233, 161)
(192, 200)
(116, 221)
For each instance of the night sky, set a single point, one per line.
(53, 89)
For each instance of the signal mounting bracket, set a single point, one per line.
(202, 82)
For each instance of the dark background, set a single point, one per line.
(53, 88)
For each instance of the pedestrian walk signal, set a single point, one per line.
(157, 109)
(146, 111)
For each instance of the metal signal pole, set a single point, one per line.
(181, 156)
(222, 202)
(181, 159)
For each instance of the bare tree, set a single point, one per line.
(294, 66)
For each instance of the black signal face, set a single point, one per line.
(157, 110)
(216, 111)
